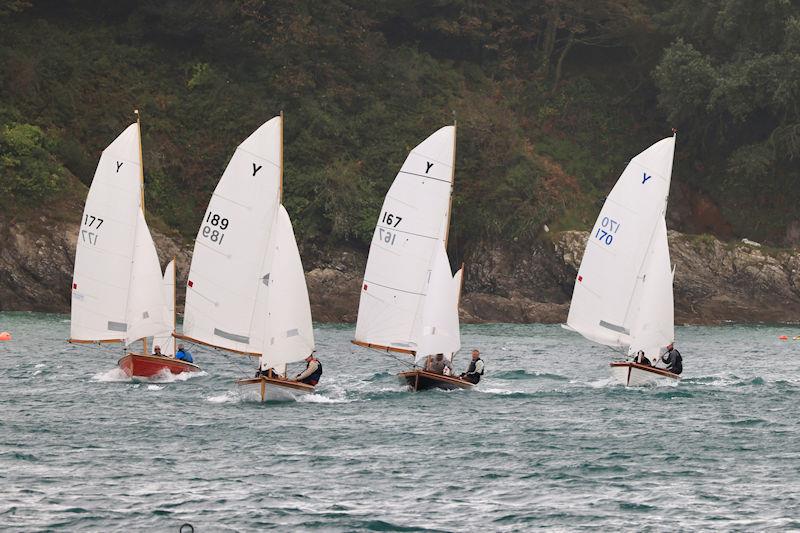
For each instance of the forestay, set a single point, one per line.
(105, 248)
(167, 342)
(440, 327)
(613, 263)
(145, 310)
(289, 332)
(654, 323)
(226, 290)
(412, 223)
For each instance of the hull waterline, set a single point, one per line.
(636, 375)
(273, 390)
(423, 380)
(147, 366)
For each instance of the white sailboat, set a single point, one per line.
(117, 285)
(409, 297)
(623, 290)
(246, 291)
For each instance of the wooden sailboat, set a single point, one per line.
(409, 297)
(246, 292)
(117, 293)
(623, 290)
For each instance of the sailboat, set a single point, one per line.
(623, 290)
(117, 292)
(409, 297)
(246, 292)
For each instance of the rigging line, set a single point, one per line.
(387, 354)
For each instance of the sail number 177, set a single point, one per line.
(608, 228)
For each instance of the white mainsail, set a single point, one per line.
(289, 333)
(105, 248)
(440, 327)
(411, 226)
(609, 280)
(167, 342)
(228, 278)
(654, 325)
(144, 314)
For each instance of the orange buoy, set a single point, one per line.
(5, 336)
(784, 338)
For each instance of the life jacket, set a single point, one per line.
(317, 373)
(472, 365)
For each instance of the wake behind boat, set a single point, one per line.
(409, 297)
(246, 292)
(117, 287)
(623, 291)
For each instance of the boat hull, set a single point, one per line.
(146, 366)
(636, 375)
(423, 380)
(273, 390)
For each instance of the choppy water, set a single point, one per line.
(545, 441)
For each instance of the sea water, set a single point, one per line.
(546, 439)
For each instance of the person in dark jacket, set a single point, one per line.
(312, 373)
(672, 359)
(641, 358)
(475, 369)
(183, 354)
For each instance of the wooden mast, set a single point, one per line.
(141, 189)
(174, 300)
(280, 193)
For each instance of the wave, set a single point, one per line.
(319, 398)
(226, 397)
(525, 374)
(116, 375)
(112, 375)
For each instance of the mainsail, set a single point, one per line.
(167, 341)
(411, 228)
(610, 279)
(228, 279)
(112, 250)
(289, 334)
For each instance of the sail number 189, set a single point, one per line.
(608, 228)
(214, 227)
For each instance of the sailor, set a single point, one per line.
(438, 364)
(268, 373)
(641, 359)
(183, 355)
(475, 370)
(157, 351)
(672, 359)
(312, 373)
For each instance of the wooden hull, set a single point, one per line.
(636, 375)
(146, 366)
(273, 390)
(423, 380)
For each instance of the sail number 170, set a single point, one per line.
(608, 228)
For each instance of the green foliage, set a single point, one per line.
(29, 172)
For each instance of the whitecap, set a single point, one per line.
(110, 376)
(154, 387)
(40, 365)
(319, 398)
(225, 397)
(500, 391)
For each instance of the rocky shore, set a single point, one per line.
(715, 281)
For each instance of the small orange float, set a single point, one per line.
(5, 336)
(784, 337)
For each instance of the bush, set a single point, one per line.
(29, 172)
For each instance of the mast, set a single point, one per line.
(141, 189)
(280, 187)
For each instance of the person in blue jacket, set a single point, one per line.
(183, 354)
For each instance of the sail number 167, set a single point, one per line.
(391, 220)
(608, 228)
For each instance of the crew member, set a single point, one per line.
(475, 370)
(672, 359)
(157, 351)
(312, 373)
(438, 364)
(183, 354)
(641, 358)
